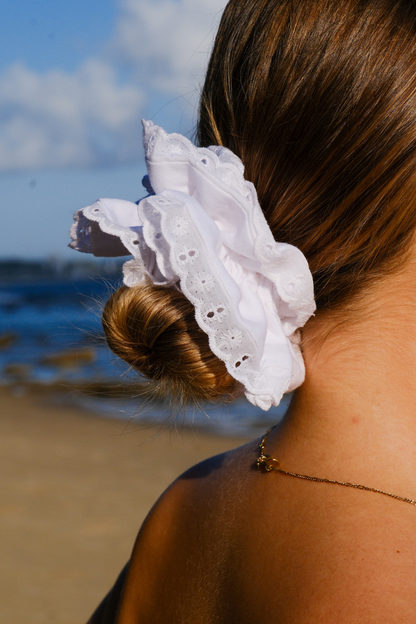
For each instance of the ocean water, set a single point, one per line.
(239, 418)
(51, 334)
(51, 331)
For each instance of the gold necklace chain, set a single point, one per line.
(269, 464)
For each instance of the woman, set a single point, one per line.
(318, 99)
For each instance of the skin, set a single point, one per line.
(227, 543)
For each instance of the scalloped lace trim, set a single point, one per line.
(79, 233)
(294, 287)
(169, 245)
(181, 252)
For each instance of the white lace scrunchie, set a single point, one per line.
(203, 231)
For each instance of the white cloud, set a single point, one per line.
(89, 117)
(59, 119)
(167, 41)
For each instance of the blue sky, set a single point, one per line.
(75, 79)
(53, 33)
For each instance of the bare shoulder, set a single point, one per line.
(205, 490)
(182, 550)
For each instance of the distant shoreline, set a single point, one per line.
(120, 402)
(22, 271)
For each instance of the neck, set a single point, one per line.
(354, 418)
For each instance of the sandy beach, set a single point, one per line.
(74, 490)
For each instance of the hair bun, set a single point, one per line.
(153, 328)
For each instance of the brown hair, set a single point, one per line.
(318, 99)
(153, 329)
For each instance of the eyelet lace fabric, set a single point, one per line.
(203, 231)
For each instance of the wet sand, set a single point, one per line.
(74, 491)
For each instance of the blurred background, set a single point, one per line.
(75, 80)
